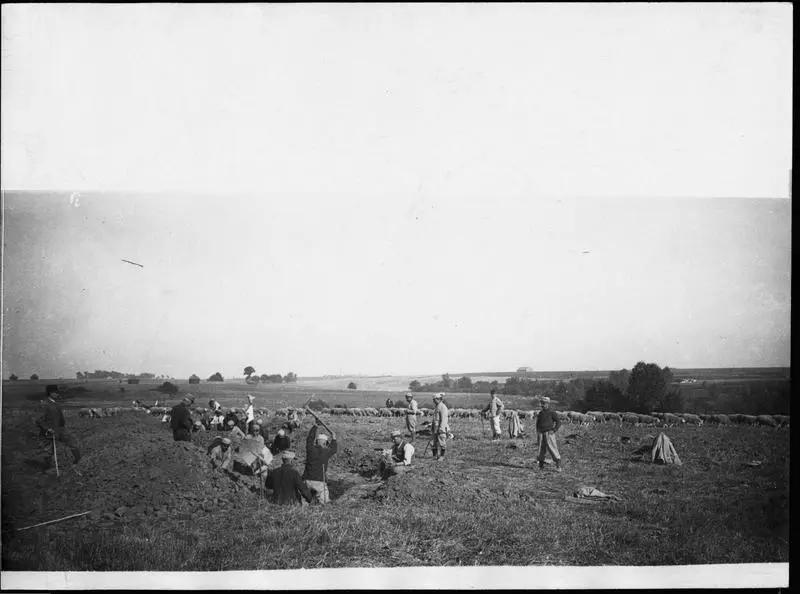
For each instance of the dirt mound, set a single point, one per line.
(131, 469)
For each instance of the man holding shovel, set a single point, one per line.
(318, 452)
(52, 425)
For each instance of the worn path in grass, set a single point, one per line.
(486, 504)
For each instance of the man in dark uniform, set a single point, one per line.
(52, 424)
(280, 443)
(286, 484)
(181, 420)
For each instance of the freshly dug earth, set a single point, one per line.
(132, 470)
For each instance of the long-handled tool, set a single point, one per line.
(321, 422)
(55, 453)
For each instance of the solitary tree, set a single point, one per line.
(12, 378)
(248, 371)
(34, 377)
(291, 377)
(217, 377)
(647, 386)
(194, 379)
(415, 386)
(352, 386)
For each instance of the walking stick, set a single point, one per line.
(55, 454)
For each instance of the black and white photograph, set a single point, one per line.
(396, 296)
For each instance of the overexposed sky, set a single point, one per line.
(395, 188)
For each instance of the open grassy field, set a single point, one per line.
(157, 505)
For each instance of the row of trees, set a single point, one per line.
(462, 384)
(645, 388)
(103, 374)
(251, 377)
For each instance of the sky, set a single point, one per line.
(406, 189)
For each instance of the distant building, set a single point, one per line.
(133, 380)
(524, 371)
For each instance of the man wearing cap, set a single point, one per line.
(281, 442)
(222, 455)
(181, 419)
(440, 427)
(318, 452)
(547, 424)
(250, 417)
(495, 411)
(214, 406)
(198, 426)
(398, 459)
(287, 486)
(53, 425)
(411, 415)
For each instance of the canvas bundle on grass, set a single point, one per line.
(515, 427)
(663, 452)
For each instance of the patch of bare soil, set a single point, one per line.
(131, 470)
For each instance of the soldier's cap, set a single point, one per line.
(259, 422)
(51, 389)
(287, 455)
(409, 395)
(281, 432)
(322, 437)
(438, 396)
(397, 433)
(197, 423)
(544, 399)
(226, 441)
(231, 423)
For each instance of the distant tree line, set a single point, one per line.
(645, 388)
(251, 377)
(103, 374)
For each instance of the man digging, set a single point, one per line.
(318, 452)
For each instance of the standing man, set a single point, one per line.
(495, 411)
(181, 419)
(547, 423)
(52, 424)
(286, 484)
(250, 417)
(389, 403)
(411, 415)
(440, 427)
(318, 452)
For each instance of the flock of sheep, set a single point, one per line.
(591, 417)
(571, 417)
